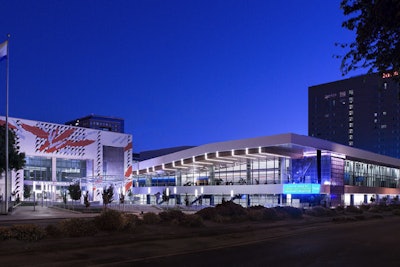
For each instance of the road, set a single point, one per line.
(367, 243)
(372, 242)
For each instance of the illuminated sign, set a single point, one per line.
(301, 188)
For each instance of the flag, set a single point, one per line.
(3, 50)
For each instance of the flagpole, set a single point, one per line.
(7, 167)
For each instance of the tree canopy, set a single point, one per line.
(377, 43)
(108, 195)
(16, 160)
(75, 191)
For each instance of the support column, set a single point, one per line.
(178, 199)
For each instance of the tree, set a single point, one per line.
(108, 195)
(165, 197)
(75, 191)
(64, 196)
(377, 43)
(16, 160)
(86, 200)
(27, 191)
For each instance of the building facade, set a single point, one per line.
(58, 155)
(103, 123)
(362, 112)
(286, 169)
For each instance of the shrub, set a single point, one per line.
(231, 209)
(131, 221)
(150, 218)
(5, 233)
(53, 230)
(318, 211)
(172, 215)
(77, 227)
(365, 207)
(110, 220)
(375, 209)
(394, 206)
(270, 214)
(255, 214)
(192, 220)
(353, 209)
(339, 209)
(360, 217)
(293, 212)
(281, 214)
(27, 232)
(208, 213)
(377, 216)
(396, 212)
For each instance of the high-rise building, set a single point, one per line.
(103, 123)
(361, 111)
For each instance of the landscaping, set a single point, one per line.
(175, 220)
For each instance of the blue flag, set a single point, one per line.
(3, 50)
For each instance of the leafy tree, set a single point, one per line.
(165, 197)
(27, 191)
(64, 196)
(16, 160)
(108, 195)
(86, 200)
(121, 198)
(377, 43)
(75, 191)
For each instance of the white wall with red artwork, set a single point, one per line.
(36, 138)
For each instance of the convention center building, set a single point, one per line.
(58, 155)
(287, 169)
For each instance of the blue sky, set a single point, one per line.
(180, 72)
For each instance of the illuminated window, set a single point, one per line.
(351, 92)
(350, 106)
(350, 137)
(384, 113)
(350, 118)
(350, 124)
(350, 112)
(383, 126)
(350, 143)
(350, 130)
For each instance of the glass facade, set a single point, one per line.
(264, 170)
(37, 169)
(68, 169)
(370, 175)
(317, 177)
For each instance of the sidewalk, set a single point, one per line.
(40, 212)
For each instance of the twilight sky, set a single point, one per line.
(180, 72)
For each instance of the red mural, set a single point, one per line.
(128, 186)
(129, 146)
(55, 141)
(128, 172)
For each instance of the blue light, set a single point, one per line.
(306, 188)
